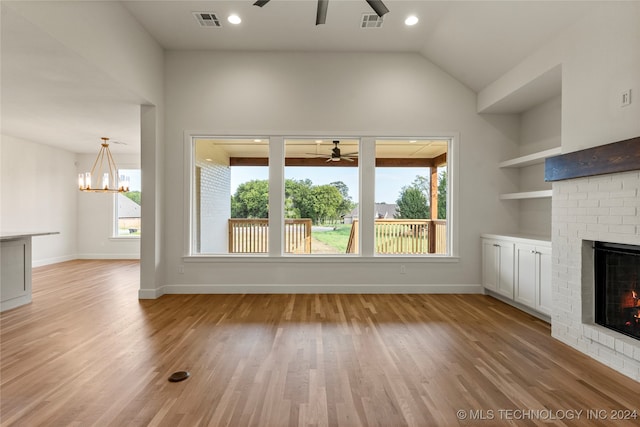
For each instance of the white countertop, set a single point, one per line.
(522, 238)
(9, 235)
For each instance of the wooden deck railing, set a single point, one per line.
(405, 236)
(252, 235)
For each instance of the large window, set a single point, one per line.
(323, 190)
(127, 215)
(230, 196)
(411, 196)
(320, 196)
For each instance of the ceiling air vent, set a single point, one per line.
(207, 19)
(371, 20)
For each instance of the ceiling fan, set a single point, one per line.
(321, 14)
(336, 155)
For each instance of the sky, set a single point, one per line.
(389, 181)
(135, 181)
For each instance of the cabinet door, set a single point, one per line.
(490, 264)
(526, 275)
(13, 278)
(505, 269)
(544, 299)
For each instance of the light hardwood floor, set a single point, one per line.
(88, 352)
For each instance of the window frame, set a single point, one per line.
(276, 199)
(115, 217)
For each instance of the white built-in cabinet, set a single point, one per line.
(532, 284)
(518, 269)
(497, 266)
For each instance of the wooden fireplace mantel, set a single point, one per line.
(621, 156)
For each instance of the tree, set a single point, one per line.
(347, 204)
(298, 198)
(423, 183)
(442, 195)
(326, 203)
(302, 200)
(134, 195)
(251, 200)
(412, 203)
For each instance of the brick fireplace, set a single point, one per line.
(585, 210)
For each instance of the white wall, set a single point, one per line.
(38, 193)
(361, 94)
(96, 217)
(600, 58)
(107, 36)
(540, 129)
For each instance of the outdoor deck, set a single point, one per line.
(392, 236)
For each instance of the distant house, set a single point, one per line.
(382, 211)
(128, 213)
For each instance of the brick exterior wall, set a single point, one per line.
(215, 204)
(600, 208)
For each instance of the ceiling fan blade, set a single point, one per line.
(261, 3)
(348, 159)
(321, 15)
(378, 7)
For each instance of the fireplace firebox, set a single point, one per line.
(617, 289)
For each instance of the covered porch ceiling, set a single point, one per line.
(315, 151)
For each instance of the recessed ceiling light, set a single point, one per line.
(412, 141)
(257, 140)
(411, 20)
(318, 141)
(234, 19)
(209, 160)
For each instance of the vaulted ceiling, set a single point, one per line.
(50, 95)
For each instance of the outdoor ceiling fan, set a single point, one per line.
(321, 15)
(336, 155)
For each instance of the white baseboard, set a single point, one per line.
(108, 256)
(310, 289)
(55, 260)
(149, 293)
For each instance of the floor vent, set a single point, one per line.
(207, 19)
(371, 20)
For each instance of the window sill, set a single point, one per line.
(125, 238)
(321, 259)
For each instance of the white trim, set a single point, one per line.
(188, 193)
(320, 259)
(319, 289)
(276, 138)
(276, 196)
(108, 256)
(54, 260)
(15, 302)
(366, 207)
(149, 293)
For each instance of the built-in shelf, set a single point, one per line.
(531, 159)
(526, 195)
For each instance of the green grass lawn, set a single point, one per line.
(337, 238)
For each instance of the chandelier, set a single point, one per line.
(103, 177)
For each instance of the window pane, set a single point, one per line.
(411, 194)
(128, 205)
(321, 193)
(231, 196)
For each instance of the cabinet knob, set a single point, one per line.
(533, 251)
(495, 245)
